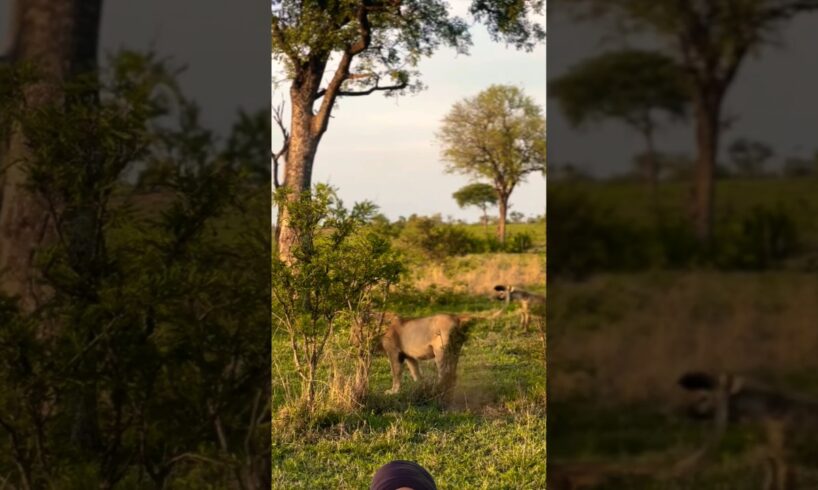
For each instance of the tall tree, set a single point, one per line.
(711, 39)
(59, 39)
(479, 195)
(629, 85)
(374, 46)
(497, 135)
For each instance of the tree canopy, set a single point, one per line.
(629, 85)
(330, 49)
(478, 194)
(710, 39)
(632, 86)
(497, 135)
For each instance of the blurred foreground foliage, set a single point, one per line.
(145, 363)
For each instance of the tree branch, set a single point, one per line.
(278, 117)
(376, 88)
(342, 72)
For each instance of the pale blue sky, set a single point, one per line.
(376, 148)
(384, 150)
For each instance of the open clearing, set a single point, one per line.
(623, 340)
(491, 436)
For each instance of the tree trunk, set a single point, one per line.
(502, 205)
(652, 166)
(708, 110)
(300, 156)
(60, 38)
(297, 179)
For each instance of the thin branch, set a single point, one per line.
(278, 117)
(251, 429)
(342, 72)
(195, 457)
(217, 425)
(376, 88)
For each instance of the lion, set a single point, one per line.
(439, 337)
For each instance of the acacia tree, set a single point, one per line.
(628, 85)
(710, 39)
(479, 195)
(497, 135)
(333, 49)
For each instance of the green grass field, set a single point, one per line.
(536, 230)
(632, 201)
(617, 344)
(491, 436)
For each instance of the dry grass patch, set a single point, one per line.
(478, 274)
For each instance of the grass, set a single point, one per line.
(617, 343)
(630, 198)
(491, 435)
(536, 230)
(479, 273)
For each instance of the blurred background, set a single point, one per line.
(134, 244)
(683, 171)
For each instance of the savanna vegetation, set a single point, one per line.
(336, 270)
(618, 342)
(488, 432)
(700, 260)
(635, 299)
(136, 355)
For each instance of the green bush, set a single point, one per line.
(430, 238)
(519, 242)
(584, 237)
(758, 239)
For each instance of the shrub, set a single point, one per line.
(584, 237)
(341, 272)
(519, 242)
(757, 239)
(432, 239)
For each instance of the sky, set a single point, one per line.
(379, 149)
(384, 149)
(224, 45)
(772, 100)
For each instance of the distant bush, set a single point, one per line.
(757, 239)
(491, 244)
(674, 243)
(584, 237)
(410, 300)
(431, 238)
(518, 243)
